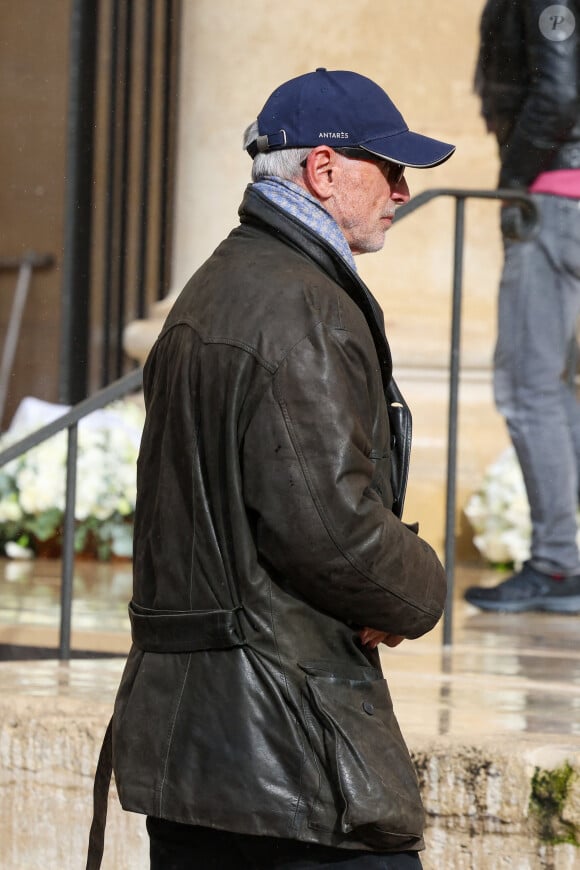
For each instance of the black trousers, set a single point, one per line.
(186, 847)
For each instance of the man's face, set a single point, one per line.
(364, 201)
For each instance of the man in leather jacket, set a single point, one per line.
(253, 725)
(528, 78)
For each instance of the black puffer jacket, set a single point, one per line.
(528, 77)
(264, 539)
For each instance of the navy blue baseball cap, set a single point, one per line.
(345, 110)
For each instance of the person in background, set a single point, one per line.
(528, 78)
(253, 726)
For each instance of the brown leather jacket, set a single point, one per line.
(264, 539)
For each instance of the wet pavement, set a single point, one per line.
(503, 674)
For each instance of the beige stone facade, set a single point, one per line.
(233, 56)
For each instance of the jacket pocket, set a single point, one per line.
(368, 789)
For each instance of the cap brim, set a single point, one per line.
(411, 149)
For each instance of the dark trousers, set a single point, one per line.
(185, 847)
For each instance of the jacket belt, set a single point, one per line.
(182, 631)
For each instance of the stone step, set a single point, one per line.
(492, 724)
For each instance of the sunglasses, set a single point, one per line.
(395, 171)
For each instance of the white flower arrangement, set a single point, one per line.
(499, 513)
(32, 487)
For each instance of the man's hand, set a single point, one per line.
(371, 637)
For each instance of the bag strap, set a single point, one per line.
(100, 800)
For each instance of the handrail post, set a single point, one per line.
(25, 266)
(68, 544)
(69, 421)
(529, 229)
(13, 331)
(454, 362)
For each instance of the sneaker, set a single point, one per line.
(529, 590)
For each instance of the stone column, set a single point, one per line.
(140, 335)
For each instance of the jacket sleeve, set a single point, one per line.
(553, 100)
(314, 466)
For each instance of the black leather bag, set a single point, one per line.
(401, 424)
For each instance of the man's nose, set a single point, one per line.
(400, 192)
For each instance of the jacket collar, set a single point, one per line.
(258, 210)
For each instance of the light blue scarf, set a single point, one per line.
(296, 201)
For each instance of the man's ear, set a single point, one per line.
(319, 172)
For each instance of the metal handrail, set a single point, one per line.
(25, 266)
(530, 223)
(134, 380)
(70, 420)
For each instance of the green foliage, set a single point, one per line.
(547, 804)
(45, 525)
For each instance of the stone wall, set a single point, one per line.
(476, 793)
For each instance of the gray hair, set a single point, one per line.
(283, 164)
